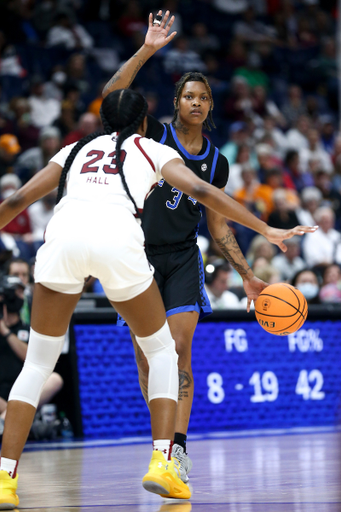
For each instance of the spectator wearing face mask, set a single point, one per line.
(307, 282)
(331, 286)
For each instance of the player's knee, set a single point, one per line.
(183, 349)
(56, 381)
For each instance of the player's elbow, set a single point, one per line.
(200, 191)
(16, 200)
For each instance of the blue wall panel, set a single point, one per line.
(244, 378)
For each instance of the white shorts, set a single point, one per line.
(103, 241)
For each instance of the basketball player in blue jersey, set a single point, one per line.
(171, 219)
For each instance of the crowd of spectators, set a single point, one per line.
(272, 67)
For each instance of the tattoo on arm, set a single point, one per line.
(117, 76)
(231, 250)
(185, 382)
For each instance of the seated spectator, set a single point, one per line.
(180, 59)
(267, 273)
(132, 19)
(238, 136)
(20, 225)
(294, 107)
(266, 160)
(314, 151)
(20, 124)
(253, 195)
(40, 214)
(68, 34)
(331, 286)
(260, 248)
(330, 196)
(34, 159)
(283, 215)
(88, 123)
(250, 30)
(238, 105)
(327, 133)
(54, 87)
(202, 41)
(9, 150)
(235, 181)
(307, 282)
(76, 74)
(311, 198)
(276, 179)
(289, 263)
(14, 336)
(297, 136)
(291, 166)
(20, 268)
(43, 110)
(269, 128)
(216, 278)
(66, 122)
(321, 248)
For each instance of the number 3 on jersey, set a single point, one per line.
(172, 205)
(98, 155)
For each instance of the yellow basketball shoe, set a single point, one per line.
(162, 478)
(8, 486)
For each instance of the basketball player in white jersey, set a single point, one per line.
(94, 232)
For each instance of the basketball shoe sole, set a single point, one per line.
(8, 486)
(162, 478)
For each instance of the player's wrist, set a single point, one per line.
(147, 50)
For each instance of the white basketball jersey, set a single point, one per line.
(93, 175)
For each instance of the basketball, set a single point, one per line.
(281, 309)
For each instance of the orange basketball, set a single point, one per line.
(281, 309)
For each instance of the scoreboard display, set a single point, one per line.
(244, 377)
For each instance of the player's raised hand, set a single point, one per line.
(157, 36)
(276, 236)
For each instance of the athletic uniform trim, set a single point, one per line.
(137, 143)
(164, 136)
(185, 152)
(214, 165)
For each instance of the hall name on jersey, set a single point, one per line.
(97, 179)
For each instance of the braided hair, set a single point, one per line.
(122, 111)
(194, 76)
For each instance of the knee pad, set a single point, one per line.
(42, 355)
(159, 349)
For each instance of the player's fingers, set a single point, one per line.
(171, 21)
(165, 18)
(171, 36)
(248, 305)
(282, 246)
(150, 20)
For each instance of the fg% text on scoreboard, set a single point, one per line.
(246, 378)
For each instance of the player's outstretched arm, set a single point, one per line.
(224, 238)
(181, 177)
(37, 187)
(157, 37)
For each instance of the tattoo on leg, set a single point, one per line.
(144, 386)
(185, 381)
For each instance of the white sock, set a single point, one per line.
(164, 446)
(9, 465)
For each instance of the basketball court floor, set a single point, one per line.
(245, 472)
